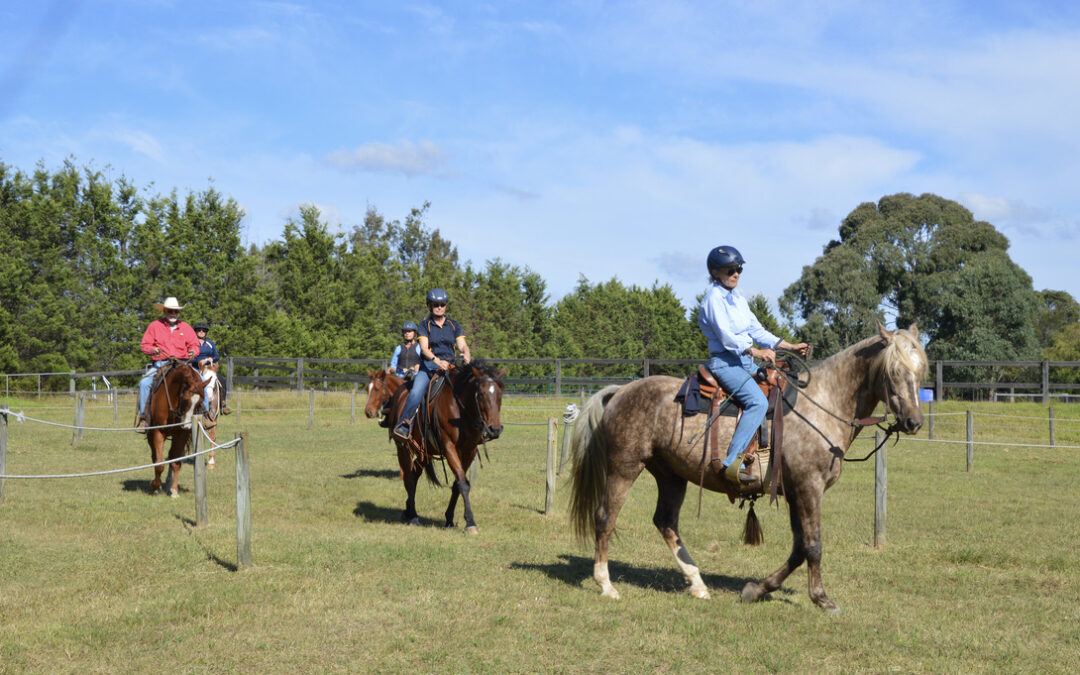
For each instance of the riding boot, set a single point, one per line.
(140, 425)
(403, 429)
(225, 409)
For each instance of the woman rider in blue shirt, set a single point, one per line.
(732, 330)
(439, 335)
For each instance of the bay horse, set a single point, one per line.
(381, 386)
(212, 389)
(625, 429)
(172, 402)
(464, 414)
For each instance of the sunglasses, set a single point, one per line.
(172, 311)
(438, 304)
(733, 270)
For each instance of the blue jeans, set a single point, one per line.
(146, 381)
(736, 375)
(416, 391)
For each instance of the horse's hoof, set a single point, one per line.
(751, 592)
(472, 529)
(210, 463)
(702, 593)
(175, 494)
(415, 520)
(610, 592)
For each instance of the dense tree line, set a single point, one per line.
(86, 257)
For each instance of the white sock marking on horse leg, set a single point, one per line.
(600, 575)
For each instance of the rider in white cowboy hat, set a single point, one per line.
(164, 337)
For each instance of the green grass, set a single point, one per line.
(979, 572)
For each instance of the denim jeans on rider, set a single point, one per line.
(146, 381)
(417, 390)
(736, 375)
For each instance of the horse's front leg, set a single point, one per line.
(804, 512)
(156, 440)
(461, 486)
(410, 474)
(176, 451)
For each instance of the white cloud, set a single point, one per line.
(408, 158)
(141, 142)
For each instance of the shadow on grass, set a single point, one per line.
(574, 570)
(137, 485)
(191, 528)
(374, 513)
(389, 474)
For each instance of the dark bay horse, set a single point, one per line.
(172, 403)
(464, 415)
(381, 386)
(625, 429)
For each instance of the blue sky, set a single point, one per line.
(604, 139)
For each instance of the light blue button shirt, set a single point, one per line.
(726, 320)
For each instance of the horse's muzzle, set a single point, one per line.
(491, 433)
(910, 425)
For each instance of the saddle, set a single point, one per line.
(702, 394)
(427, 418)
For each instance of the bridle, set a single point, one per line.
(480, 422)
(893, 429)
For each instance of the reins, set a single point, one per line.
(854, 423)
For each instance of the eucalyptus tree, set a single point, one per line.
(922, 259)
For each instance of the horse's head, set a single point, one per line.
(185, 389)
(484, 389)
(897, 373)
(381, 386)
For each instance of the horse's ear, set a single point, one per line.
(914, 328)
(502, 372)
(884, 333)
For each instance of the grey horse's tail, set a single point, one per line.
(589, 479)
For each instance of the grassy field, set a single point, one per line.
(980, 572)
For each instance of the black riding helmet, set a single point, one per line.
(409, 325)
(437, 295)
(202, 326)
(724, 256)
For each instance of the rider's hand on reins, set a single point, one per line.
(766, 355)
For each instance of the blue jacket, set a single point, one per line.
(208, 349)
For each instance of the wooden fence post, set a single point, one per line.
(567, 428)
(558, 377)
(549, 495)
(971, 444)
(200, 477)
(115, 404)
(1051, 425)
(80, 416)
(881, 490)
(311, 409)
(299, 375)
(1046, 382)
(3, 449)
(243, 504)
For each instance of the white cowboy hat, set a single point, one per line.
(170, 303)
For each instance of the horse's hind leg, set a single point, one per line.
(618, 486)
(669, 500)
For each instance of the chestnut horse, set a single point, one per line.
(464, 415)
(212, 388)
(625, 429)
(381, 386)
(172, 404)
